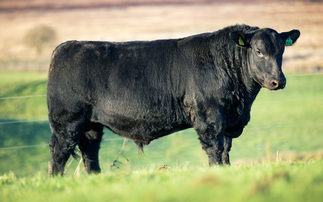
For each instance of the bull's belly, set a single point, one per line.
(143, 130)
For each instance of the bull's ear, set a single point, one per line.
(290, 37)
(241, 39)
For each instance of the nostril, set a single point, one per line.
(274, 84)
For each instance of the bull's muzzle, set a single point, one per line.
(276, 84)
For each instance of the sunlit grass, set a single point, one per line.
(258, 182)
(287, 122)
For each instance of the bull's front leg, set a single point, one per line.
(211, 136)
(229, 134)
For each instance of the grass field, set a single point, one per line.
(278, 181)
(288, 122)
(278, 157)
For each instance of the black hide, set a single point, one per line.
(146, 90)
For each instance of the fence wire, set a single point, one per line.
(21, 97)
(114, 139)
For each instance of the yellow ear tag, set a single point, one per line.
(241, 43)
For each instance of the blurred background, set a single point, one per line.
(286, 124)
(31, 29)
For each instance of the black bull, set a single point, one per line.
(146, 90)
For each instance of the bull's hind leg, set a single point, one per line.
(89, 146)
(62, 145)
(227, 147)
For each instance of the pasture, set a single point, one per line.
(279, 155)
(279, 181)
(287, 122)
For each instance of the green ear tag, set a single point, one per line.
(241, 43)
(289, 42)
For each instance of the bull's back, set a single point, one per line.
(125, 65)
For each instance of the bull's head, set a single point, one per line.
(265, 48)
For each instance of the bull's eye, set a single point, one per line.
(259, 54)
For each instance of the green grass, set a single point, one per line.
(287, 121)
(13, 84)
(279, 181)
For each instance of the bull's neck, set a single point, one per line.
(237, 64)
(233, 60)
(252, 88)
